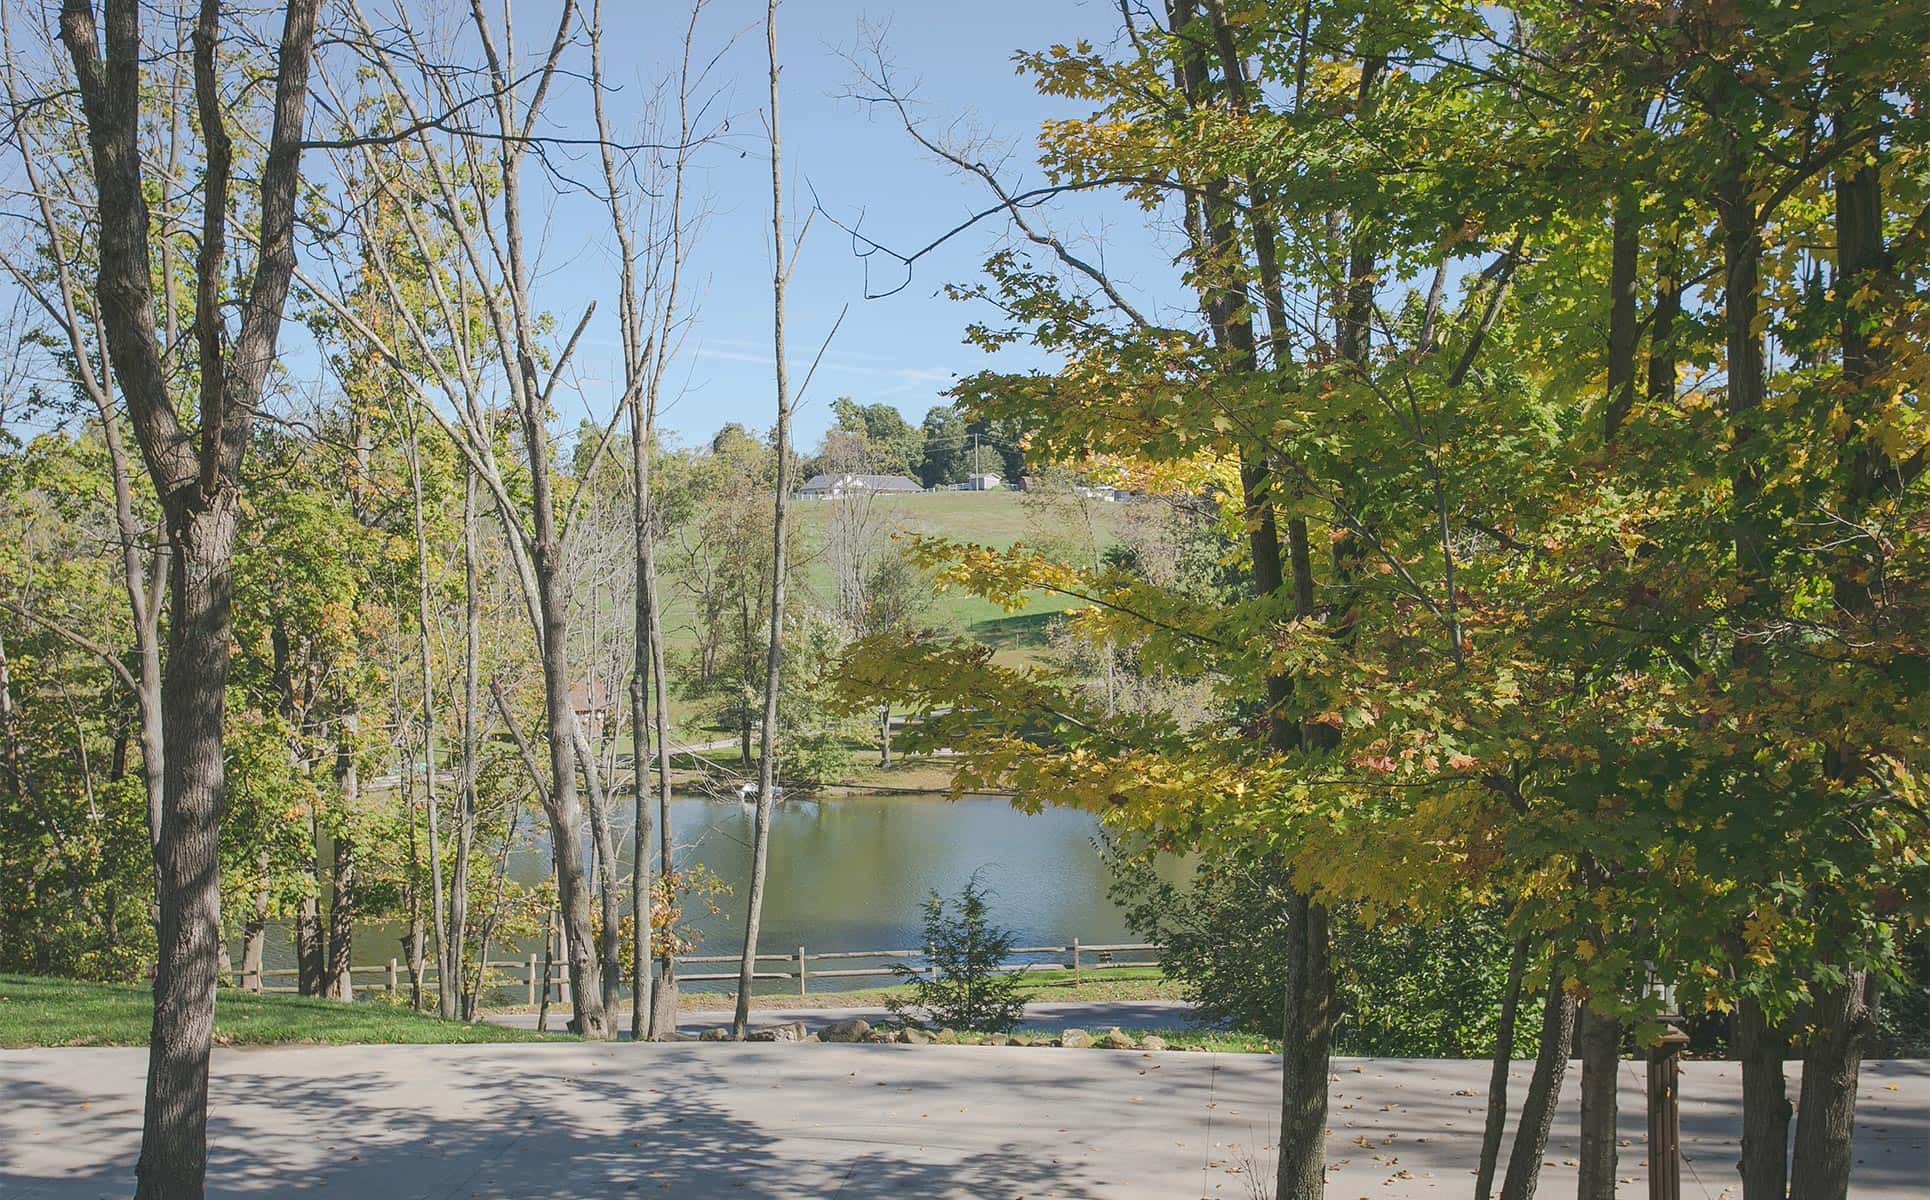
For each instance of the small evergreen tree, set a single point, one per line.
(967, 990)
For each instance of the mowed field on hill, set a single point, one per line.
(995, 518)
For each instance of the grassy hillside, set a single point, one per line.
(39, 1011)
(997, 518)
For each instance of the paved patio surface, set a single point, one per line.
(764, 1120)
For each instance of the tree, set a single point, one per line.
(1506, 638)
(890, 445)
(946, 458)
(197, 474)
(967, 986)
(780, 496)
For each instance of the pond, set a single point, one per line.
(851, 873)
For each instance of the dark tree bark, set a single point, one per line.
(1765, 1102)
(1544, 1094)
(254, 930)
(1504, 1049)
(1765, 1105)
(1307, 1006)
(1662, 355)
(311, 943)
(1843, 1014)
(1601, 1039)
(197, 480)
(1844, 1017)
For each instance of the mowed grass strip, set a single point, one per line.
(45, 1011)
(1045, 985)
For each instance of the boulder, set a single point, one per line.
(1074, 1039)
(948, 1037)
(1116, 1039)
(1152, 1041)
(792, 1031)
(853, 1030)
(719, 1034)
(911, 1035)
(879, 1036)
(999, 1039)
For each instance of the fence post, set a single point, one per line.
(531, 980)
(1665, 1125)
(563, 987)
(395, 978)
(800, 972)
(1075, 960)
(931, 963)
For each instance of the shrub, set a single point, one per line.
(1401, 990)
(967, 990)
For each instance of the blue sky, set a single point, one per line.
(905, 349)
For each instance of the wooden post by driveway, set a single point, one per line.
(1665, 1119)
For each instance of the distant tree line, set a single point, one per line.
(945, 448)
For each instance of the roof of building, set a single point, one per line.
(861, 483)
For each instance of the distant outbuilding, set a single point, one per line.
(824, 487)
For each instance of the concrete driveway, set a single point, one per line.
(769, 1120)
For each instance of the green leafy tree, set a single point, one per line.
(943, 456)
(892, 446)
(966, 986)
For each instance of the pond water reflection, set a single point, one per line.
(851, 873)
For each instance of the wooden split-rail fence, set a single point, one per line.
(528, 975)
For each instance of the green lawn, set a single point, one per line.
(1221, 1041)
(1043, 986)
(37, 1011)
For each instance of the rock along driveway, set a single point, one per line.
(763, 1120)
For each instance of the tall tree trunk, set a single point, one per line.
(254, 931)
(196, 478)
(309, 951)
(1601, 1039)
(1765, 1105)
(1504, 1049)
(774, 652)
(1544, 1094)
(1765, 1102)
(412, 936)
(608, 880)
(1844, 1021)
(663, 1015)
(1843, 1014)
(566, 815)
(445, 975)
(337, 981)
(1306, 1051)
(458, 933)
(201, 531)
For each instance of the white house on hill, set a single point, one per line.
(820, 487)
